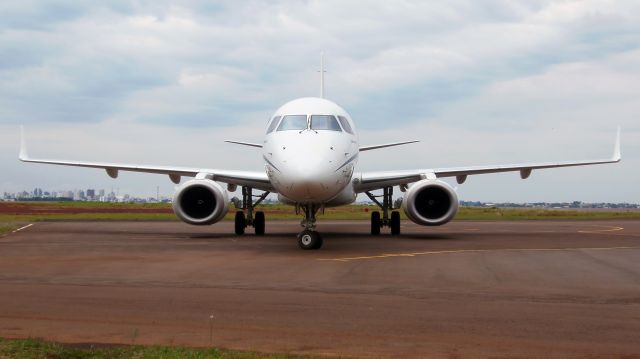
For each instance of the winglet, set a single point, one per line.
(23, 156)
(617, 156)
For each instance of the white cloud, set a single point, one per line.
(478, 82)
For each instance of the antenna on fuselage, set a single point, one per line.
(322, 71)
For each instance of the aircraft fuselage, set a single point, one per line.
(310, 151)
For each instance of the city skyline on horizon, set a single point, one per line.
(114, 194)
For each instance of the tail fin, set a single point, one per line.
(322, 71)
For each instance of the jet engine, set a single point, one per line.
(430, 202)
(200, 202)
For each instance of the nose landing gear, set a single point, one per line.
(309, 238)
(242, 221)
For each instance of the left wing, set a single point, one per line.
(368, 181)
(258, 180)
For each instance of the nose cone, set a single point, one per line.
(307, 164)
(311, 180)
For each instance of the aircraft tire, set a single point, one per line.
(395, 223)
(375, 223)
(240, 223)
(259, 223)
(309, 240)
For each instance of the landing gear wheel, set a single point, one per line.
(395, 223)
(375, 223)
(258, 223)
(241, 222)
(309, 240)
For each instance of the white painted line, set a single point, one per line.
(21, 228)
(605, 229)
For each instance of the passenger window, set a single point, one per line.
(273, 124)
(293, 122)
(345, 124)
(325, 122)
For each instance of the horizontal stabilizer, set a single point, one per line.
(245, 143)
(367, 148)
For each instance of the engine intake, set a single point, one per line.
(200, 202)
(430, 202)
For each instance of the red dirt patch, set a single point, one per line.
(22, 208)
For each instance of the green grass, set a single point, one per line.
(46, 211)
(510, 214)
(124, 216)
(92, 204)
(7, 228)
(36, 349)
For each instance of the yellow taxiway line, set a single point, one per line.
(415, 254)
(603, 229)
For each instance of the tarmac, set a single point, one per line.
(539, 289)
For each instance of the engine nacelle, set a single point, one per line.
(430, 202)
(200, 202)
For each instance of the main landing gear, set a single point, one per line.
(242, 221)
(386, 206)
(309, 238)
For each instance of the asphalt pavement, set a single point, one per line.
(544, 289)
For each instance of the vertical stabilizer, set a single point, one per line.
(322, 74)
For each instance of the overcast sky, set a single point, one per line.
(478, 82)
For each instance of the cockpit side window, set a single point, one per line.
(293, 122)
(325, 122)
(345, 124)
(273, 124)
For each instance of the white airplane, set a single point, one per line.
(310, 151)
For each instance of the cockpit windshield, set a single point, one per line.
(325, 122)
(293, 122)
(273, 124)
(345, 124)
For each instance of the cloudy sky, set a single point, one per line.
(478, 82)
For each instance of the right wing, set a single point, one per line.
(368, 181)
(258, 180)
